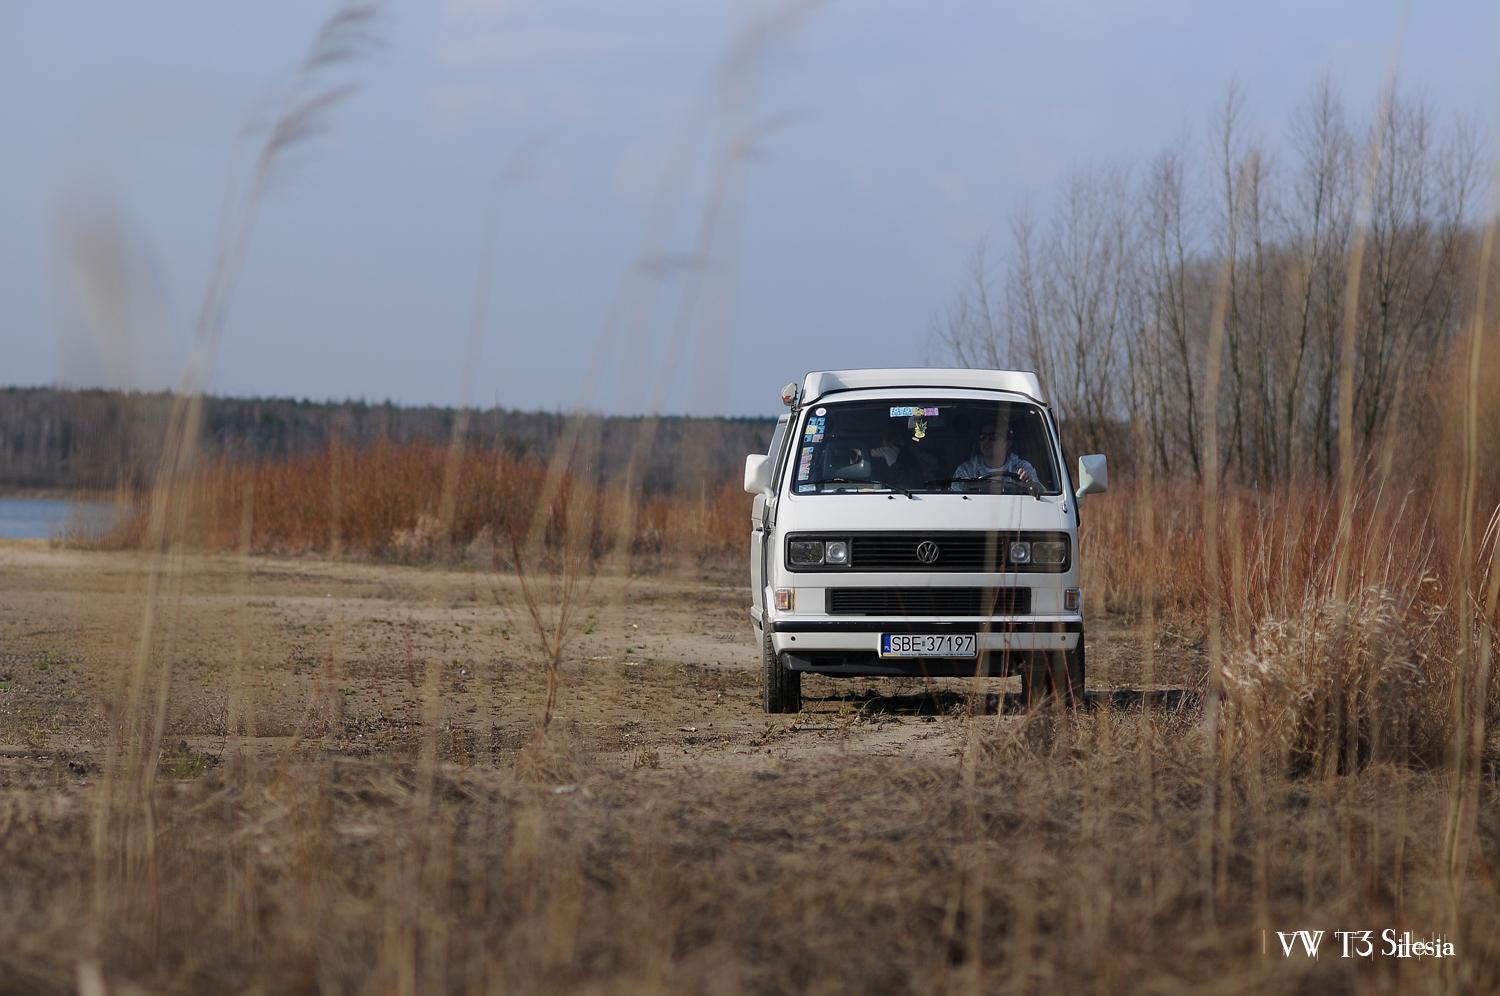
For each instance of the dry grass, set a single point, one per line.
(1053, 856)
(1145, 843)
(388, 501)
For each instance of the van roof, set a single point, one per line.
(821, 382)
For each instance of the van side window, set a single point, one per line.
(777, 436)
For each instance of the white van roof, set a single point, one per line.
(821, 382)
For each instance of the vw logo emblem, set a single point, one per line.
(927, 552)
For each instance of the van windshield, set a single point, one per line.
(928, 445)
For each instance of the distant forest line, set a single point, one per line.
(95, 439)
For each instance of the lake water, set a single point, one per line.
(43, 518)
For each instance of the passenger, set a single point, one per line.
(899, 462)
(993, 455)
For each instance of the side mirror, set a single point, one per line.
(758, 470)
(1093, 475)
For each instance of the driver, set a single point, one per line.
(992, 456)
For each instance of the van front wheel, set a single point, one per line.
(781, 687)
(1062, 675)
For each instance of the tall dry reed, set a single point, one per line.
(388, 501)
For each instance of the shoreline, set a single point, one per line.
(15, 493)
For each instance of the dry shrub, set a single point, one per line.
(420, 542)
(551, 757)
(1336, 687)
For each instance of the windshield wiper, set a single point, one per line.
(895, 487)
(850, 480)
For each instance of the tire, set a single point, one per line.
(1061, 676)
(1033, 686)
(1068, 680)
(781, 687)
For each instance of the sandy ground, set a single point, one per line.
(351, 797)
(655, 671)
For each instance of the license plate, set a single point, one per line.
(927, 645)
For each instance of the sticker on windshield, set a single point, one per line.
(910, 411)
(804, 466)
(821, 411)
(814, 427)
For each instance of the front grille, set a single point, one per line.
(929, 601)
(977, 552)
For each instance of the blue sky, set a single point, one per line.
(904, 133)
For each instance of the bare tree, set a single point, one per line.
(1410, 299)
(1108, 294)
(1072, 299)
(1170, 330)
(1319, 217)
(973, 332)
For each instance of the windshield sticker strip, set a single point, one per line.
(911, 411)
(804, 466)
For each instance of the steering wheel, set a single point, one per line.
(1030, 487)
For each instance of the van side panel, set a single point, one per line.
(760, 520)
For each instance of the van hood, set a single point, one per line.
(936, 512)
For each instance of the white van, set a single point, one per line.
(917, 522)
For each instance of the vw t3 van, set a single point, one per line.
(918, 522)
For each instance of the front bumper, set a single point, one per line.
(852, 647)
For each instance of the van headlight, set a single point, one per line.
(805, 553)
(1049, 552)
(822, 552)
(1052, 553)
